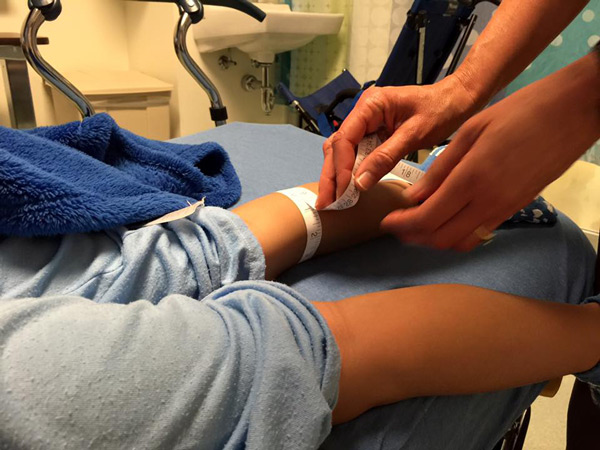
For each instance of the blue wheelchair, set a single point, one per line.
(433, 29)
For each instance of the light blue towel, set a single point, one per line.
(251, 365)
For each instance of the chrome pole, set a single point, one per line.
(29, 46)
(218, 112)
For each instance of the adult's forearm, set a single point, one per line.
(518, 31)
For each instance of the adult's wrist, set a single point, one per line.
(479, 93)
(464, 100)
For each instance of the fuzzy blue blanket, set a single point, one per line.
(92, 175)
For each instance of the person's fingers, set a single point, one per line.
(482, 235)
(442, 166)
(339, 149)
(470, 241)
(385, 157)
(366, 117)
(423, 220)
(343, 155)
(471, 220)
(326, 193)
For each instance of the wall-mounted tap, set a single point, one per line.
(191, 12)
(39, 12)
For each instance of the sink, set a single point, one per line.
(282, 30)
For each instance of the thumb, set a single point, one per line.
(385, 157)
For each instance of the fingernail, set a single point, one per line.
(365, 181)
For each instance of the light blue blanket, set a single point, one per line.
(156, 406)
(251, 365)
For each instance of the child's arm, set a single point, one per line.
(425, 340)
(279, 227)
(453, 339)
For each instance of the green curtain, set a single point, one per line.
(325, 57)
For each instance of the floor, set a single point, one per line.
(548, 420)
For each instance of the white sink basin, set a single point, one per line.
(282, 30)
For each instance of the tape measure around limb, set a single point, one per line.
(305, 201)
(406, 172)
(352, 194)
(402, 171)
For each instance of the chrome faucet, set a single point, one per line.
(39, 12)
(191, 12)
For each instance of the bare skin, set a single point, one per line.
(528, 140)
(418, 117)
(386, 338)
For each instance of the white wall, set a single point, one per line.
(150, 28)
(88, 35)
(121, 35)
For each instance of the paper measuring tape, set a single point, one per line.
(305, 201)
(406, 172)
(178, 214)
(402, 171)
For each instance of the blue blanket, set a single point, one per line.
(92, 175)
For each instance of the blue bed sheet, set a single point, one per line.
(553, 263)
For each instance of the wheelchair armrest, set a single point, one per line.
(339, 98)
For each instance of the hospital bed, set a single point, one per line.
(272, 157)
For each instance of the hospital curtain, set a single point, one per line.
(362, 46)
(325, 57)
(372, 25)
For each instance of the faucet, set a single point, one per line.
(39, 12)
(191, 12)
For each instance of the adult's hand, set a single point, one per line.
(502, 158)
(413, 117)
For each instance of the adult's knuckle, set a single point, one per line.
(336, 137)
(473, 181)
(376, 101)
(383, 160)
(440, 243)
(420, 223)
